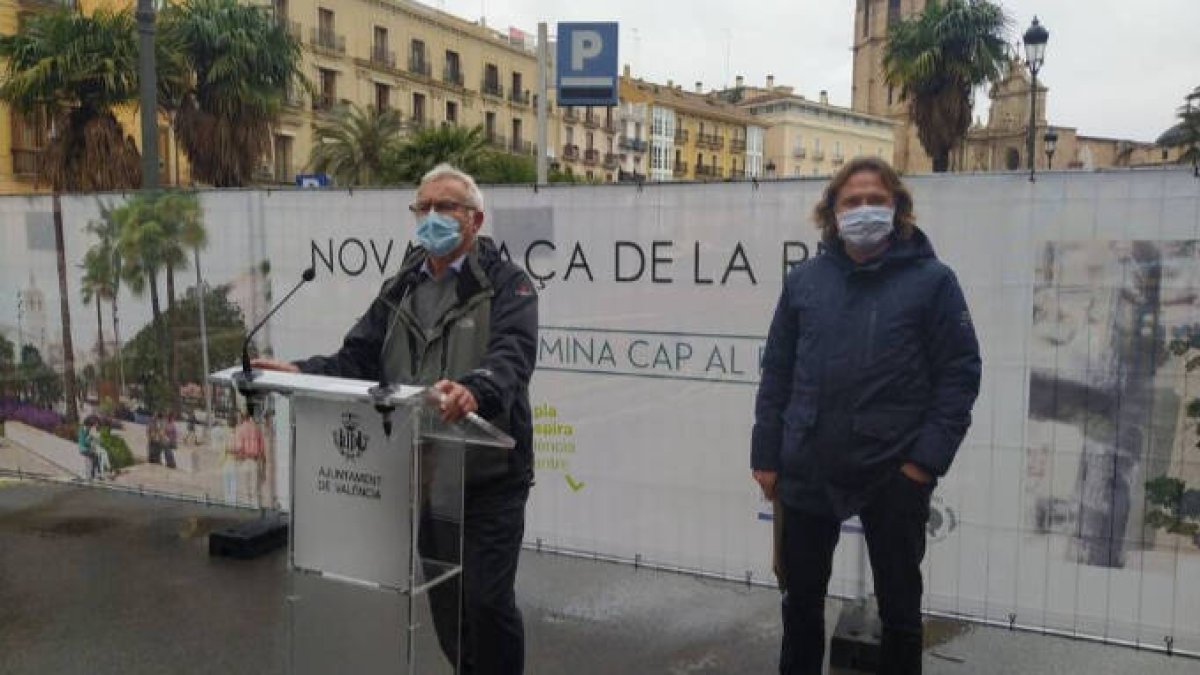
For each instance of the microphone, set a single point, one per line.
(247, 374)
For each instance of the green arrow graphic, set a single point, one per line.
(575, 486)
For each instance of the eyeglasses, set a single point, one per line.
(441, 206)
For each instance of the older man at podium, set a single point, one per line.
(459, 317)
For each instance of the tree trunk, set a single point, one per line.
(100, 332)
(70, 391)
(172, 361)
(160, 329)
(117, 340)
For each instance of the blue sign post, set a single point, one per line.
(586, 64)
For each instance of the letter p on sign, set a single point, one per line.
(585, 44)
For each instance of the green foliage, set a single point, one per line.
(353, 145)
(497, 168)
(73, 70)
(936, 59)
(119, 454)
(226, 330)
(8, 368)
(1165, 492)
(230, 70)
(37, 382)
(465, 148)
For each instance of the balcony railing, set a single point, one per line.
(707, 171)
(498, 141)
(571, 151)
(323, 102)
(383, 57)
(492, 88)
(737, 174)
(609, 126)
(520, 147)
(680, 170)
(328, 40)
(737, 145)
(25, 162)
(838, 160)
(591, 121)
(419, 66)
(591, 156)
(569, 115)
(800, 153)
(634, 144)
(818, 155)
(519, 97)
(681, 136)
(453, 76)
(712, 141)
(611, 160)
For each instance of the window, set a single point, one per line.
(491, 79)
(281, 9)
(381, 40)
(283, 159)
(891, 94)
(452, 112)
(324, 24)
(416, 58)
(383, 97)
(453, 68)
(516, 134)
(418, 108)
(328, 93)
(570, 135)
(489, 125)
(516, 85)
(590, 140)
(637, 130)
(893, 11)
(866, 17)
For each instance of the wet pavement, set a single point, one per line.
(97, 582)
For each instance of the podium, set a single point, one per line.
(376, 509)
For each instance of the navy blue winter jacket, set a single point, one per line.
(866, 367)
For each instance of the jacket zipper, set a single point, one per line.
(871, 334)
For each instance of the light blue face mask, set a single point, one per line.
(438, 233)
(866, 227)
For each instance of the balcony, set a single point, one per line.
(292, 27)
(818, 155)
(569, 115)
(419, 66)
(26, 161)
(681, 136)
(520, 147)
(323, 102)
(611, 160)
(710, 141)
(570, 152)
(680, 170)
(490, 88)
(630, 177)
(591, 157)
(737, 145)
(609, 126)
(328, 40)
(453, 76)
(838, 160)
(383, 58)
(737, 174)
(707, 171)
(519, 97)
(800, 153)
(634, 144)
(590, 121)
(497, 141)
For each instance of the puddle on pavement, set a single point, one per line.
(940, 631)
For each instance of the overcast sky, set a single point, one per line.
(1114, 67)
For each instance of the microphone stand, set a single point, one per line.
(243, 379)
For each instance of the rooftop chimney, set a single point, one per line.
(824, 97)
(770, 82)
(699, 87)
(739, 82)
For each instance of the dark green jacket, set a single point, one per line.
(486, 340)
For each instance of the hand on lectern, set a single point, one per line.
(457, 401)
(274, 364)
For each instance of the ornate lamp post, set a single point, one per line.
(1051, 141)
(1035, 55)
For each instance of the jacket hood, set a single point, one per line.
(901, 251)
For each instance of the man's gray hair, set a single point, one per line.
(474, 195)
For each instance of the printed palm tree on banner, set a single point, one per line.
(143, 242)
(354, 145)
(71, 71)
(227, 72)
(1186, 134)
(937, 58)
(106, 257)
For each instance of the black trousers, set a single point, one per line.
(477, 621)
(894, 526)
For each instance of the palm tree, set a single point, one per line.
(95, 288)
(144, 242)
(107, 229)
(235, 67)
(73, 70)
(465, 148)
(352, 146)
(937, 58)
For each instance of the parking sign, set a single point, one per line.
(587, 63)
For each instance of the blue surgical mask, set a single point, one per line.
(439, 233)
(866, 227)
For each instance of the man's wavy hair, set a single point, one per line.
(825, 215)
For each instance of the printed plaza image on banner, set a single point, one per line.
(1114, 398)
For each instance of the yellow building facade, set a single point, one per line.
(433, 67)
(813, 138)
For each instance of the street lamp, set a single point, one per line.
(1051, 140)
(1035, 55)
